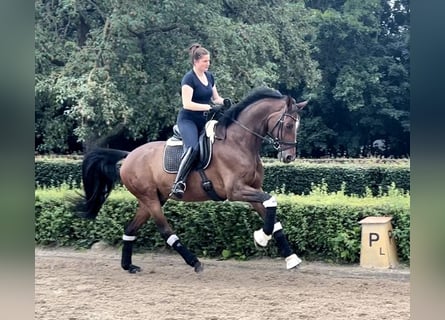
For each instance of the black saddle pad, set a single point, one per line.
(172, 158)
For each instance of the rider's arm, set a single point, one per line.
(187, 103)
(216, 98)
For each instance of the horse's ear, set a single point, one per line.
(301, 105)
(289, 103)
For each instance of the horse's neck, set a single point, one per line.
(250, 126)
(256, 117)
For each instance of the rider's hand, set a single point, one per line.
(216, 108)
(227, 103)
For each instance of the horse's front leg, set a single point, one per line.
(266, 206)
(272, 227)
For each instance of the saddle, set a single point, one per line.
(174, 148)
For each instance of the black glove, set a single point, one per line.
(216, 108)
(219, 109)
(227, 103)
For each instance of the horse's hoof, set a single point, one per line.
(132, 268)
(261, 238)
(292, 261)
(198, 267)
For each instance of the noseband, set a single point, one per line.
(269, 137)
(275, 141)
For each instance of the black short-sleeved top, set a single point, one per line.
(201, 93)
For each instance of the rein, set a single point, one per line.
(269, 138)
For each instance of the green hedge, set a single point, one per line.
(296, 178)
(299, 178)
(321, 226)
(55, 172)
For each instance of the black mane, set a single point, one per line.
(255, 95)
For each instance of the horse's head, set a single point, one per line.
(273, 118)
(284, 126)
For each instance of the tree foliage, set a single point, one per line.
(363, 56)
(113, 68)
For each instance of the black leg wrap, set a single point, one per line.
(188, 257)
(269, 220)
(127, 251)
(282, 243)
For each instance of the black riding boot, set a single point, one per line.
(188, 158)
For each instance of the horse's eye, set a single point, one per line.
(289, 125)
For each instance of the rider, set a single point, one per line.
(199, 94)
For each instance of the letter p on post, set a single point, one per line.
(378, 248)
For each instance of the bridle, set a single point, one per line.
(269, 137)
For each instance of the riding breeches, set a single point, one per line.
(190, 124)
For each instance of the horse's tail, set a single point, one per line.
(99, 175)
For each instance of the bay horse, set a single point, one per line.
(235, 170)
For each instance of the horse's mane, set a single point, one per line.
(255, 95)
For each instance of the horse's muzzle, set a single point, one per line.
(286, 158)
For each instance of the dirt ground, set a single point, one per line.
(89, 284)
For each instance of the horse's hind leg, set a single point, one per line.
(272, 227)
(172, 239)
(153, 208)
(142, 215)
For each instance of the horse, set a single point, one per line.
(235, 172)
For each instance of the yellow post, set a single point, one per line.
(378, 249)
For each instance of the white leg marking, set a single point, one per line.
(261, 238)
(292, 261)
(277, 227)
(172, 239)
(272, 202)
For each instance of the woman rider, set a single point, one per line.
(198, 92)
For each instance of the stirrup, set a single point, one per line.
(178, 189)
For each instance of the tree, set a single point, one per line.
(106, 69)
(115, 68)
(364, 94)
